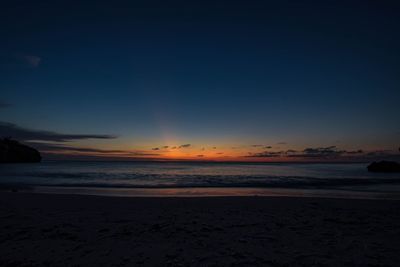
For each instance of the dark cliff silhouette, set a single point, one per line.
(384, 166)
(12, 151)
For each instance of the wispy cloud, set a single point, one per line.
(322, 152)
(31, 60)
(319, 152)
(60, 148)
(185, 146)
(19, 60)
(4, 104)
(24, 134)
(360, 151)
(326, 153)
(266, 154)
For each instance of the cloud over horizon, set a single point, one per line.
(57, 148)
(24, 134)
(4, 104)
(185, 146)
(325, 153)
(31, 60)
(54, 143)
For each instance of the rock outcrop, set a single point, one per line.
(12, 151)
(384, 166)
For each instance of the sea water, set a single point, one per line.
(202, 178)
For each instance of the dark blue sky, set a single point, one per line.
(218, 72)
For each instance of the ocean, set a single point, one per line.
(349, 180)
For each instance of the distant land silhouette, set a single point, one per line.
(384, 166)
(11, 151)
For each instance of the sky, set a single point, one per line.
(205, 80)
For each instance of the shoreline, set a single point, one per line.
(339, 193)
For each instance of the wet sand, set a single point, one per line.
(76, 230)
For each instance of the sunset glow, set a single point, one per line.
(139, 82)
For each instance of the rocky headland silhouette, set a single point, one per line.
(384, 166)
(12, 151)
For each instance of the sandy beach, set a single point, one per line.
(76, 230)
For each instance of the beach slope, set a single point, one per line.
(74, 230)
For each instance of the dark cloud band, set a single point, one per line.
(24, 134)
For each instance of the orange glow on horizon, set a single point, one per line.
(198, 152)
